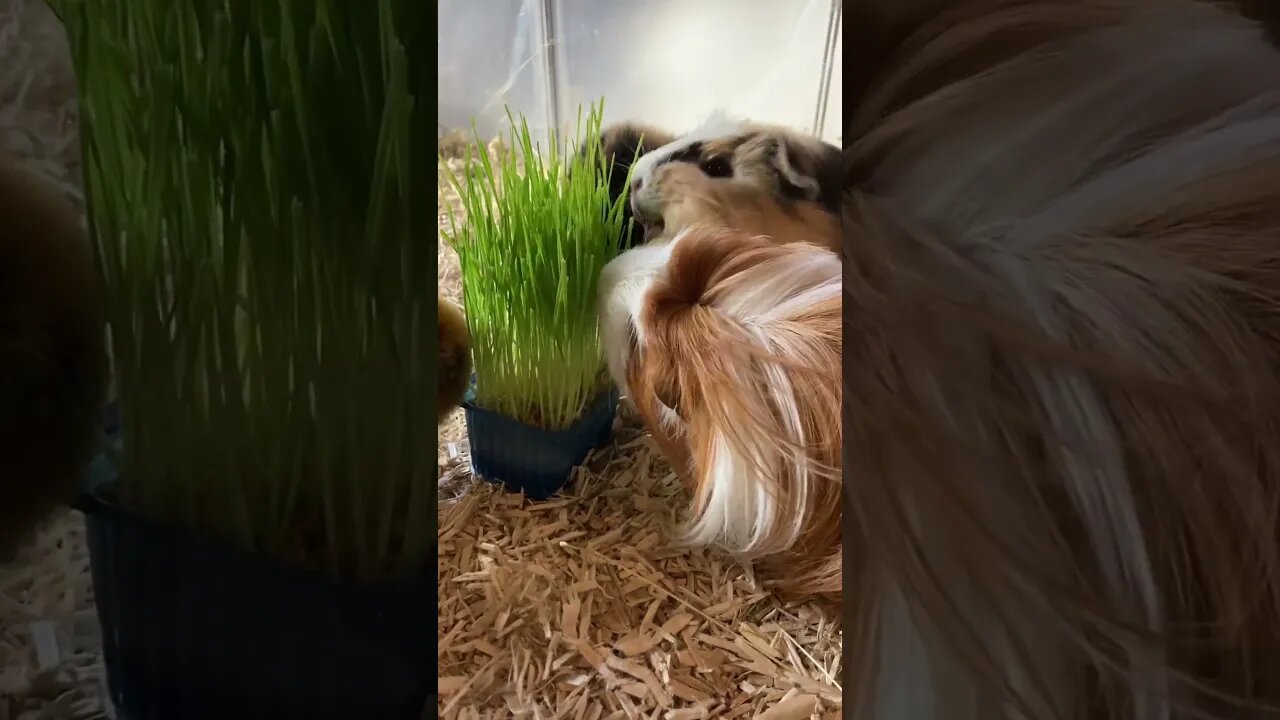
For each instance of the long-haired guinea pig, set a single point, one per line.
(680, 195)
(728, 344)
(454, 366)
(53, 361)
(620, 144)
(1062, 418)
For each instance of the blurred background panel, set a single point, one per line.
(667, 62)
(489, 54)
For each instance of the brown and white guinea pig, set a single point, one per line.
(1062, 400)
(454, 366)
(789, 165)
(53, 361)
(680, 195)
(728, 345)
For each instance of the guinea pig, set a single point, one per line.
(1062, 391)
(620, 144)
(53, 357)
(729, 346)
(680, 195)
(790, 166)
(454, 367)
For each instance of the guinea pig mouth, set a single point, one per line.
(650, 221)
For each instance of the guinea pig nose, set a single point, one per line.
(636, 184)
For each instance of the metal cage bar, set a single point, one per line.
(552, 62)
(834, 25)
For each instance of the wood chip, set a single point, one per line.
(448, 685)
(643, 674)
(798, 707)
(45, 639)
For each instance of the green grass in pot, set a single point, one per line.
(531, 247)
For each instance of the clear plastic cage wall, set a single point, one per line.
(670, 63)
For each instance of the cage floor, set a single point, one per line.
(579, 608)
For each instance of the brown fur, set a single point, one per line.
(53, 366)
(1062, 238)
(454, 367)
(686, 313)
(683, 196)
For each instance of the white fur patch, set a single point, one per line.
(737, 510)
(624, 282)
(719, 125)
(797, 282)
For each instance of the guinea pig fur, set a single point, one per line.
(728, 344)
(454, 366)
(790, 165)
(620, 144)
(1062, 416)
(680, 196)
(53, 361)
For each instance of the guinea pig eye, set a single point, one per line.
(717, 167)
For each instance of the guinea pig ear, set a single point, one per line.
(809, 171)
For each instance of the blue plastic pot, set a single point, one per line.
(530, 459)
(198, 629)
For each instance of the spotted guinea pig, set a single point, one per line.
(792, 169)
(790, 166)
(680, 196)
